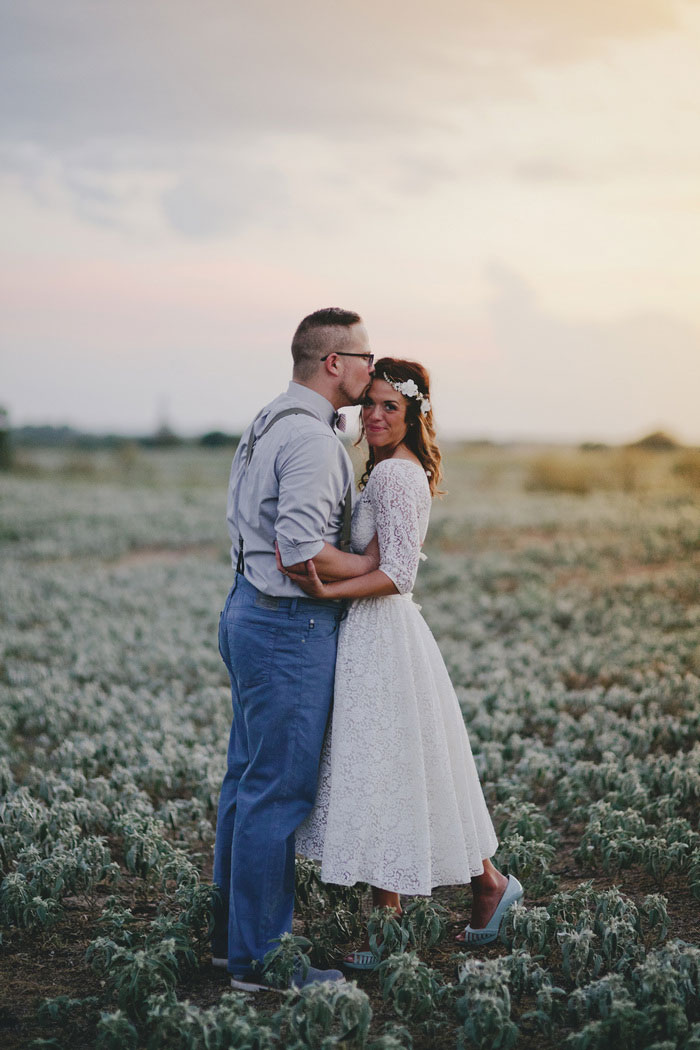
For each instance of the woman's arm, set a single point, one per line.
(372, 584)
(332, 564)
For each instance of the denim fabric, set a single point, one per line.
(280, 655)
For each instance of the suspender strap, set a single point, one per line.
(345, 544)
(347, 502)
(270, 423)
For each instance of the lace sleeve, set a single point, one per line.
(395, 495)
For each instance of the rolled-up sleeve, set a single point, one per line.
(311, 487)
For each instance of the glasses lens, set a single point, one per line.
(370, 360)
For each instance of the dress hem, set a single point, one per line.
(413, 892)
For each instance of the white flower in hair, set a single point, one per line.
(409, 388)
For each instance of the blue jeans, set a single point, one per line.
(280, 655)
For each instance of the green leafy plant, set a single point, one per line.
(232, 1023)
(387, 934)
(116, 1032)
(533, 929)
(310, 895)
(133, 975)
(694, 873)
(654, 913)
(424, 919)
(615, 1020)
(412, 988)
(484, 1004)
(325, 1011)
(515, 816)
(580, 959)
(393, 1037)
(572, 906)
(70, 1014)
(529, 861)
(328, 933)
(117, 923)
(287, 960)
(19, 906)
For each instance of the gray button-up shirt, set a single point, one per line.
(292, 491)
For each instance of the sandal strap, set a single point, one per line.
(479, 936)
(360, 957)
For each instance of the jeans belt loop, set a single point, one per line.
(293, 606)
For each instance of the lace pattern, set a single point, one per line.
(399, 803)
(398, 497)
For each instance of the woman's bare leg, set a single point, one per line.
(382, 899)
(386, 899)
(487, 890)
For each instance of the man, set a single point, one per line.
(291, 484)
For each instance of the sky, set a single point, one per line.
(508, 192)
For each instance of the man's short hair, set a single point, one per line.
(322, 332)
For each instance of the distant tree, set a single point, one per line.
(92, 442)
(164, 437)
(657, 441)
(218, 439)
(5, 440)
(45, 436)
(593, 446)
(477, 443)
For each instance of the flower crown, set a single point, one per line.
(409, 388)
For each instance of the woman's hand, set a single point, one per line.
(308, 579)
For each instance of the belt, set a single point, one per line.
(266, 601)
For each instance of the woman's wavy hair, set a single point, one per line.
(420, 436)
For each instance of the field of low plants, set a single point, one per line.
(569, 618)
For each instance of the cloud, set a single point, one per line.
(220, 203)
(166, 91)
(544, 171)
(173, 69)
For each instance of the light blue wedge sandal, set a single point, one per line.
(475, 938)
(361, 961)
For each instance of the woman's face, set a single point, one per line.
(384, 415)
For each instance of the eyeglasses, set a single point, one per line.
(369, 358)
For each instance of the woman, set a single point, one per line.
(399, 803)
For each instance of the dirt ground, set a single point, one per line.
(34, 968)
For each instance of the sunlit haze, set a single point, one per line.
(508, 192)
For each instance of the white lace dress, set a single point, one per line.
(399, 802)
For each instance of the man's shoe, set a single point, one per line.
(245, 983)
(219, 963)
(314, 976)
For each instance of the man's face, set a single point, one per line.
(356, 371)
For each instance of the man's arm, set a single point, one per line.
(312, 483)
(332, 564)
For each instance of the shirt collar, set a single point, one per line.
(314, 400)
